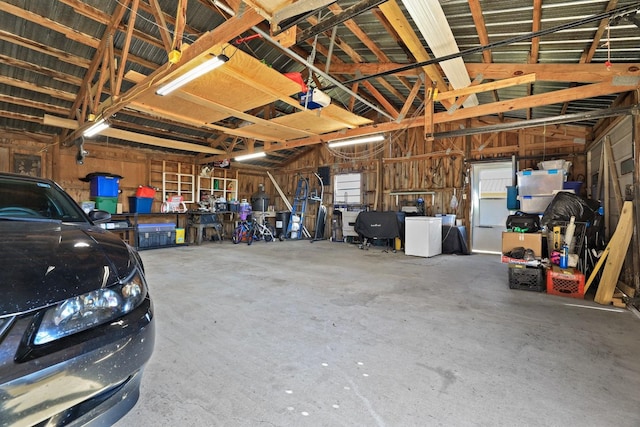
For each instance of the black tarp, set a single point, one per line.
(377, 225)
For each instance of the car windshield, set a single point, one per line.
(36, 200)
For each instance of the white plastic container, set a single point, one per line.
(551, 164)
(534, 204)
(540, 183)
(447, 219)
(87, 206)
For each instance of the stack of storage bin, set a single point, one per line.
(104, 192)
(537, 188)
(143, 200)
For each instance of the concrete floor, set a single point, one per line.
(325, 334)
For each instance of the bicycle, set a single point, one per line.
(243, 232)
(263, 230)
(252, 230)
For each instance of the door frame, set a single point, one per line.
(475, 169)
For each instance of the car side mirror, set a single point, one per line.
(99, 216)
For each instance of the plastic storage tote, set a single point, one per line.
(104, 186)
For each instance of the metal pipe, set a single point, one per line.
(331, 45)
(566, 118)
(300, 59)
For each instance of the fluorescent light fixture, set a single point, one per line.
(251, 156)
(97, 127)
(204, 68)
(362, 140)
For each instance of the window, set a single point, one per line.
(347, 189)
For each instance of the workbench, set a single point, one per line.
(199, 221)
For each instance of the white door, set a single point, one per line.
(489, 211)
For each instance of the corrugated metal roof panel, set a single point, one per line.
(44, 89)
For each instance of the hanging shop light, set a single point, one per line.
(202, 69)
(251, 156)
(353, 141)
(97, 127)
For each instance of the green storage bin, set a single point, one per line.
(109, 204)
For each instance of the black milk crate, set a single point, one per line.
(526, 278)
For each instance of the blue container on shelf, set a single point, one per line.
(140, 204)
(572, 185)
(512, 198)
(104, 186)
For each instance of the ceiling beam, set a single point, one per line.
(59, 54)
(165, 34)
(54, 93)
(485, 87)
(481, 28)
(355, 29)
(581, 73)
(634, 7)
(49, 108)
(559, 96)
(70, 33)
(84, 96)
(348, 13)
(401, 25)
(356, 58)
(224, 32)
(134, 136)
(115, 91)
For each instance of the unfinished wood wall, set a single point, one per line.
(408, 162)
(60, 164)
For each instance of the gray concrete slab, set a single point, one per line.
(324, 334)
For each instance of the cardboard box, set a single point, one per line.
(511, 240)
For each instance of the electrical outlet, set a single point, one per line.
(464, 196)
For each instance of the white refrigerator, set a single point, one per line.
(423, 236)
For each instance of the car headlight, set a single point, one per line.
(91, 309)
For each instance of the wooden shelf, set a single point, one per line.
(227, 188)
(217, 185)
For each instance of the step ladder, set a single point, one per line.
(299, 207)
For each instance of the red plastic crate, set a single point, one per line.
(566, 282)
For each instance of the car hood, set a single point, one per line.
(47, 262)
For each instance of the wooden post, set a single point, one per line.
(635, 136)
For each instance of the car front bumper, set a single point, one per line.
(94, 381)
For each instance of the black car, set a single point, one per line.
(76, 318)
